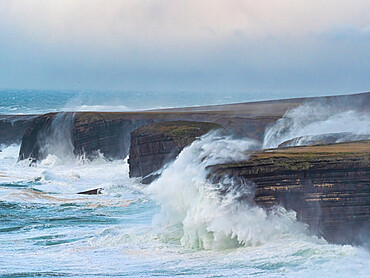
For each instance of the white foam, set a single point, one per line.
(98, 108)
(314, 119)
(208, 220)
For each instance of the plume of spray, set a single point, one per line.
(210, 218)
(319, 118)
(57, 143)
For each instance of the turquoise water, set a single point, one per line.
(34, 101)
(176, 227)
(43, 101)
(47, 230)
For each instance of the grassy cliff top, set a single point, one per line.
(361, 147)
(183, 132)
(302, 158)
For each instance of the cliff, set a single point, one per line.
(12, 127)
(327, 185)
(109, 133)
(154, 145)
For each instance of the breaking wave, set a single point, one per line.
(209, 219)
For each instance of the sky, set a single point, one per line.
(316, 46)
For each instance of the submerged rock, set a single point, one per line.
(154, 145)
(328, 186)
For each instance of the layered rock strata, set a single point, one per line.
(109, 133)
(328, 186)
(12, 127)
(154, 145)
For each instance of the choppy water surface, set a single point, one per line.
(177, 226)
(44, 101)
(48, 230)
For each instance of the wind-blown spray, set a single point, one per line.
(58, 141)
(209, 219)
(312, 119)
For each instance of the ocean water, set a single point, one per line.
(44, 101)
(179, 226)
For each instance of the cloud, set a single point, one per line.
(184, 44)
(348, 32)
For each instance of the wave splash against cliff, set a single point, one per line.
(314, 119)
(208, 219)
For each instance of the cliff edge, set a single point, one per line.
(327, 185)
(154, 145)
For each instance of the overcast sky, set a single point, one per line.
(207, 45)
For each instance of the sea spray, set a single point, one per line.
(111, 235)
(59, 140)
(316, 118)
(210, 220)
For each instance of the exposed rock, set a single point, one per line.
(96, 191)
(328, 186)
(12, 127)
(329, 138)
(154, 145)
(109, 132)
(31, 142)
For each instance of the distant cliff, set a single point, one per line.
(154, 145)
(328, 186)
(12, 127)
(109, 132)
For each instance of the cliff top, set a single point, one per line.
(361, 147)
(298, 158)
(269, 108)
(183, 132)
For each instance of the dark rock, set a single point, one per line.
(150, 178)
(109, 132)
(154, 145)
(47, 132)
(328, 186)
(31, 140)
(96, 191)
(12, 127)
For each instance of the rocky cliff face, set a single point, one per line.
(110, 132)
(328, 186)
(86, 133)
(32, 138)
(12, 127)
(154, 145)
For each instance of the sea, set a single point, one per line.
(178, 226)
